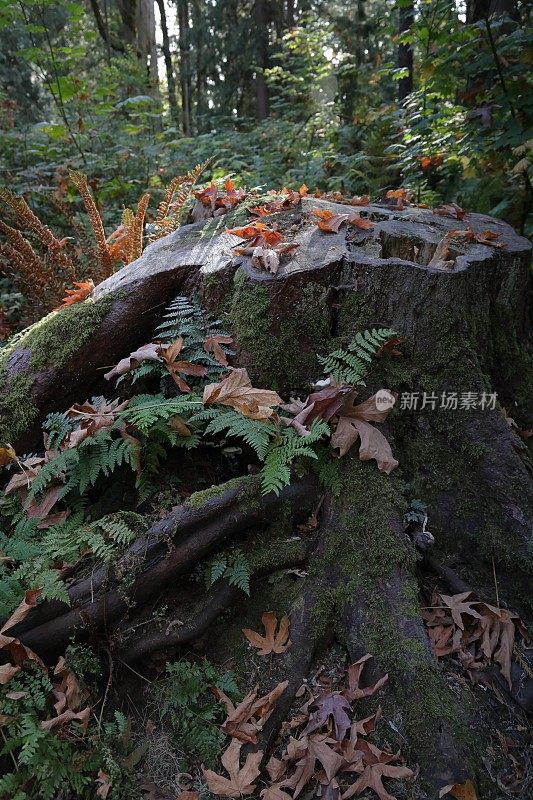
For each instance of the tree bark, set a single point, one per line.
(171, 81)
(262, 58)
(185, 67)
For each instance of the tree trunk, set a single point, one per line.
(185, 67)
(262, 58)
(171, 82)
(405, 53)
(465, 328)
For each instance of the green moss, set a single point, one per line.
(282, 344)
(249, 497)
(51, 341)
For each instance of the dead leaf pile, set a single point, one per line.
(351, 422)
(331, 749)
(473, 631)
(211, 202)
(236, 391)
(289, 199)
(265, 245)
(330, 222)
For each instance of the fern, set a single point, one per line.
(291, 446)
(350, 366)
(147, 410)
(234, 567)
(258, 434)
(237, 572)
(326, 468)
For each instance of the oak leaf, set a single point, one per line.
(236, 391)
(272, 641)
(81, 292)
(240, 781)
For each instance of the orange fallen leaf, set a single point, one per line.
(7, 455)
(271, 642)
(82, 291)
(461, 791)
(331, 222)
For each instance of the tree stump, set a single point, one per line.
(465, 329)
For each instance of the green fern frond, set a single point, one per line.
(351, 365)
(258, 434)
(291, 446)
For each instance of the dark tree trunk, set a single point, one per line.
(185, 67)
(171, 82)
(405, 53)
(262, 57)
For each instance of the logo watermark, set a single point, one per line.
(449, 401)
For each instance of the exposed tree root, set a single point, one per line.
(240, 509)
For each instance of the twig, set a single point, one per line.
(495, 584)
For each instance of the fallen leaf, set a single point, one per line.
(354, 423)
(450, 210)
(148, 352)
(271, 642)
(330, 222)
(105, 783)
(6, 673)
(354, 691)
(241, 779)
(402, 196)
(461, 791)
(249, 716)
(212, 344)
(458, 605)
(177, 368)
(7, 455)
(266, 259)
(67, 716)
(236, 391)
(331, 706)
(372, 778)
(81, 292)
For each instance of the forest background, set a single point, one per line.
(358, 97)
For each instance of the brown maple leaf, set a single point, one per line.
(178, 368)
(240, 781)
(372, 778)
(271, 642)
(236, 391)
(330, 707)
(249, 716)
(450, 210)
(81, 292)
(459, 605)
(354, 423)
(402, 196)
(354, 691)
(212, 345)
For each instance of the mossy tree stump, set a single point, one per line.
(465, 331)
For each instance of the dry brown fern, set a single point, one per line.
(105, 260)
(171, 207)
(27, 220)
(128, 221)
(138, 227)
